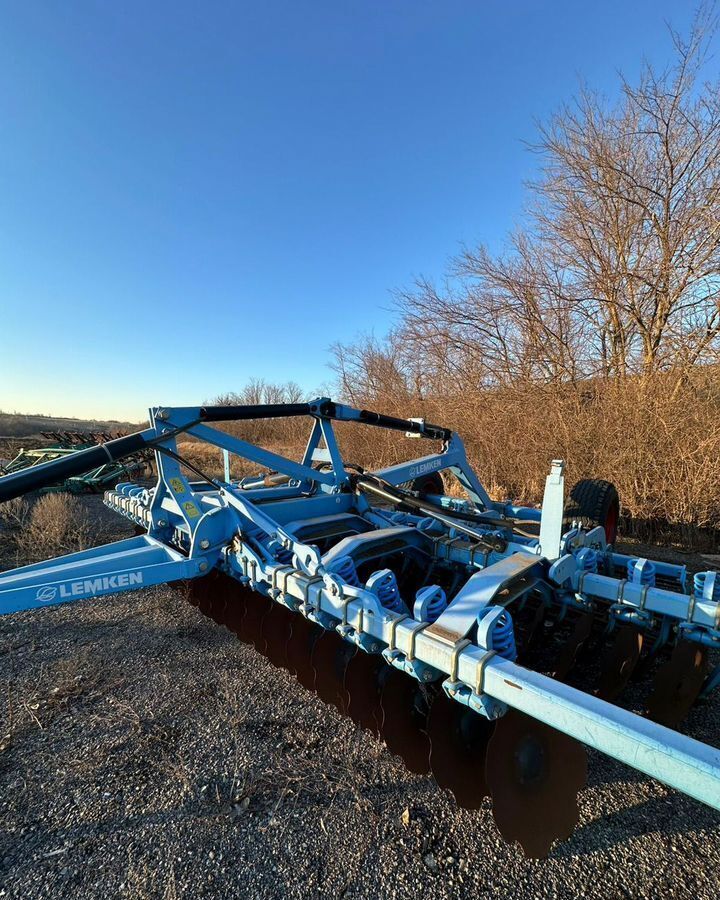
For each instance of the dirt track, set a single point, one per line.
(150, 754)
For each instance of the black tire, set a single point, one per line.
(594, 502)
(431, 483)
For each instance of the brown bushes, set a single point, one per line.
(661, 449)
(58, 524)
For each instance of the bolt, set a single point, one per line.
(204, 544)
(161, 523)
(203, 566)
(427, 676)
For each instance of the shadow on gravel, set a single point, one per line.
(662, 816)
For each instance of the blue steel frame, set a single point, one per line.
(192, 529)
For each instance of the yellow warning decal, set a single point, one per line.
(192, 511)
(177, 485)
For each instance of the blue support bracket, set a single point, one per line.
(123, 566)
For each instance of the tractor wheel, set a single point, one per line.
(428, 484)
(595, 502)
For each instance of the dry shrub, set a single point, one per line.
(14, 513)
(658, 444)
(58, 524)
(208, 459)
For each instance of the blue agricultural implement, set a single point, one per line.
(447, 625)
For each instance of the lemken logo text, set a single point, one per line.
(87, 587)
(422, 468)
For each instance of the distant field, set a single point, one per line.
(16, 425)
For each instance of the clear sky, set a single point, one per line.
(194, 194)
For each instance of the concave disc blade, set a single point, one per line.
(363, 681)
(303, 634)
(458, 744)
(207, 591)
(404, 721)
(236, 605)
(276, 632)
(330, 657)
(568, 653)
(196, 588)
(218, 598)
(256, 608)
(534, 774)
(678, 683)
(182, 585)
(528, 628)
(618, 662)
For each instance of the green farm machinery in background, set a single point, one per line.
(65, 443)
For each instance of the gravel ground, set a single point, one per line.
(145, 752)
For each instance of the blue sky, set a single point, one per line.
(194, 194)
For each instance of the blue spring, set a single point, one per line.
(699, 586)
(587, 559)
(282, 554)
(503, 637)
(344, 566)
(434, 596)
(273, 546)
(647, 573)
(388, 593)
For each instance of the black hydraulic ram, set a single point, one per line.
(325, 408)
(261, 411)
(36, 477)
(49, 473)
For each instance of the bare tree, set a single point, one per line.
(617, 271)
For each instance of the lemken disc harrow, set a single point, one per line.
(452, 629)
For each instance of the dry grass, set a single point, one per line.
(57, 524)
(660, 448)
(14, 513)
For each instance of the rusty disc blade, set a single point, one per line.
(276, 627)
(256, 608)
(567, 656)
(458, 745)
(196, 589)
(330, 657)
(405, 707)
(182, 585)
(205, 597)
(678, 683)
(528, 627)
(236, 597)
(219, 598)
(303, 634)
(364, 678)
(618, 662)
(534, 774)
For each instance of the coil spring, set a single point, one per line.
(344, 566)
(699, 586)
(272, 545)
(434, 600)
(647, 573)
(388, 593)
(587, 559)
(281, 554)
(503, 637)
(427, 524)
